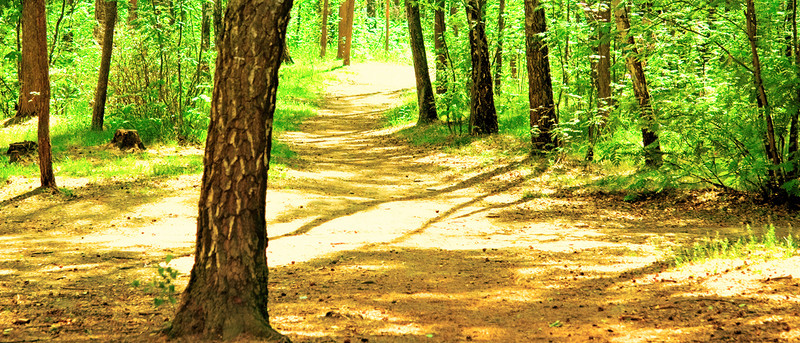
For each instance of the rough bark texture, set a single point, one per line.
(427, 104)
(100, 93)
(205, 26)
(482, 113)
(323, 38)
(18, 151)
(498, 54)
(217, 21)
(761, 94)
(227, 292)
(34, 95)
(341, 30)
(540, 83)
(652, 147)
(440, 47)
(127, 139)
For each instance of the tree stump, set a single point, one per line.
(16, 151)
(127, 139)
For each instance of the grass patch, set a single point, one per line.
(750, 246)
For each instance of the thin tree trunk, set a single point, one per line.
(205, 26)
(427, 104)
(348, 29)
(439, 46)
(371, 14)
(133, 14)
(227, 293)
(601, 71)
(482, 113)
(99, 110)
(761, 94)
(323, 39)
(217, 21)
(794, 127)
(99, 17)
(34, 97)
(386, 38)
(652, 146)
(513, 65)
(55, 34)
(498, 54)
(540, 85)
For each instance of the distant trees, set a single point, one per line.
(227, 292)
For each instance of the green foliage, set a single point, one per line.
(163, 285)
(750, 246)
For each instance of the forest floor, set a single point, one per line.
(376, 240)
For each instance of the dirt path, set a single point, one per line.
(374, 240)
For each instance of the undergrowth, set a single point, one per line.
(765, 247)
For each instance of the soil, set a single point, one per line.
(376, 240)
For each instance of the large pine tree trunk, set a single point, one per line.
(323, 39)
(227, 292)
(440, 47)
(482, 113)
(34, 93)
(540, 84)
(652, 147)
(100, 93)
(498, 54)
(427, 104)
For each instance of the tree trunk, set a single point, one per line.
(227, 292)
(652, 147)
(453, 12)
(348, 29)
(34, 95)
(133, 14)
(601, 71)
(513, 65)
(540, 84)
(323, 39)
(440, 47)
(794, 126)
(205, 26)
(427, 104)
(371, 14)
(99, 110)
(218, 11)
(482, 113)
(498, 54)
(341, 32)
(386, 38)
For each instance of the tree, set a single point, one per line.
(540, 84)
(652, 147)
(348, 30)
(427, 104)
(498, 54)
(99, 110)
(323, 38)
(439, 46)
(600, 16)
(34, 92)
(227, 292)
(482, 113)
(386, 30)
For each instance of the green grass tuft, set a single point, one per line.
(750, 246)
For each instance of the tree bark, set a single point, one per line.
(217, 14)
(427, 104)
(348, 29)
(205, 26)
(341, 31)
(99, 110)
(794, 126)
(34, 95)
(99, 17)
(440, 47)
(323, 39)
(482, 113)
(498, 54)
(652, 146)
(540, 84)
(227, 292)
